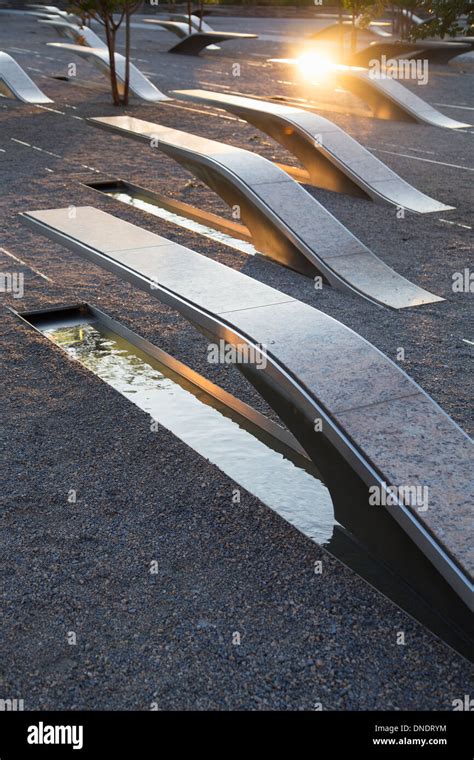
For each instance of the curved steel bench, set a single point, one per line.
(194, 43)
(23, 12)
(99, 57)
(432, 51)
(390, 99)
(387, 98)
(80, 35)
(332, 31)
(376, 421)
(285, 221)
(50, 11)
(196, 22)
(466, 40)
(180, 28)
(15, 82)
(375, 27)
(332, 159)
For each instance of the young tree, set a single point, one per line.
(362, 12)
(189, 4)
(111, 14)
(201, 13)
(130, 7)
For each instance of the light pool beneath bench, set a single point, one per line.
(203, 423)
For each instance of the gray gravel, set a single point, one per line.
(223, 568)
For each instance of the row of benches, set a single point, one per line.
(374, 419)
(196, 35)
(285, 221)
(387, 98)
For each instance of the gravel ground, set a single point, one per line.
(223, 568)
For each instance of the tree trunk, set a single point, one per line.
(126, 90)
(189, 4)
(341, 34)
(353, 31)
(405, 24)
(110, 36)
(201, 8)
(395, 29)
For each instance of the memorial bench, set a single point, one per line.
(51, 9)
(197, 23)
(194, 43)
(180, 27)
(332, 159)
(15, 82)
(433, 51)
(387, 98)
(285, 221)
(374, 422)
(80, 35)
(140, 86)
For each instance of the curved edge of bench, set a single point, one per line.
(18, 83)
(392, 93)
(411, 50)
(179, 28)
(328, 268)
(196, 42)
(387, 101)
(80, 35)
(99, 57)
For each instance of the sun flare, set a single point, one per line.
(314, 65)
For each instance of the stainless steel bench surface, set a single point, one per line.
(180, 29)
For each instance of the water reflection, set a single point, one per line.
(182, 221)
(206, 425)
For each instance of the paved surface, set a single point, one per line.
(223, 568)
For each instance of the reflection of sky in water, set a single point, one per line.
(182, 221)
(295, 494)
